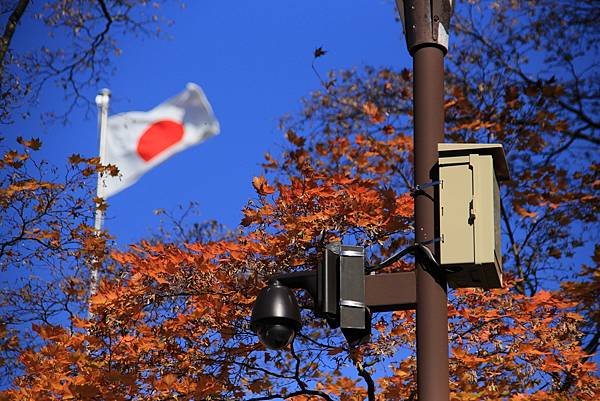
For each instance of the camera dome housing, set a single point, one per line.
(276, 316)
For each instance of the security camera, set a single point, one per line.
(276, 316)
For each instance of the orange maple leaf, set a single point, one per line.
(261, 186)
(33, 143)
(294, 139)
(524, 212)
(375, 115)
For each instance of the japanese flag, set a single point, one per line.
(138, 141)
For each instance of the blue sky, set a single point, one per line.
(253, 60)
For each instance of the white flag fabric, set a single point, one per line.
(138, 141)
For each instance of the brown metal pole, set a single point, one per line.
(426, 26)
(432, 298)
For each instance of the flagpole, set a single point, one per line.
(102, 101)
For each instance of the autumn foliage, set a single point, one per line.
(170, 319)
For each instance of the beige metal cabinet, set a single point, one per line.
(469, 213)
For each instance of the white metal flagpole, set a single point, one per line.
(102, 100)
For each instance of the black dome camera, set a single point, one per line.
(276, 316)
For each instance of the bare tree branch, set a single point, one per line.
(362, 372)
(9, 31)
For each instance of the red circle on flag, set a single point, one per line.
(158, 137)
